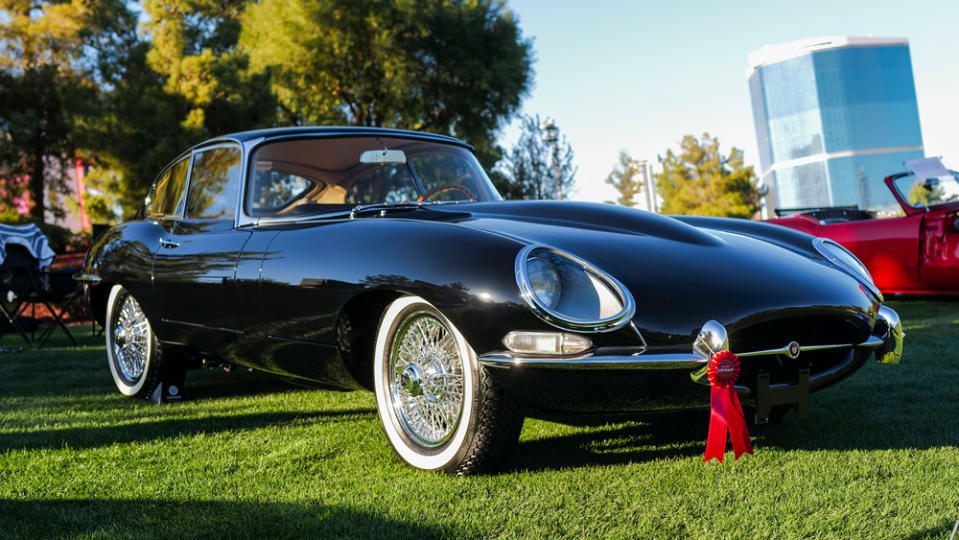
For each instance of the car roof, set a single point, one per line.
(332, 131)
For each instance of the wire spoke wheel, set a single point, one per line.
(133, 351)
(130, 339)
(438, 407)
(426, 380)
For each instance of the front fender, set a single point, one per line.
(311, 271)
(122, 255)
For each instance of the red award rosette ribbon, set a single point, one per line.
(727, 412)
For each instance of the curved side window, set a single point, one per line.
(214, 183)
(274, 190)
(164, 198)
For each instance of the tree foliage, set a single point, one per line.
(457, 67)
(625, 178)
(194, 47)
(701, 181)
(135, 131)
(41, 81)
(176, 85)
(528, 171)
(77, 77)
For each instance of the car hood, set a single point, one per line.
(680, 275)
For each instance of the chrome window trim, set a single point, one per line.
(567, 323)
(250, 146)
(242, 218)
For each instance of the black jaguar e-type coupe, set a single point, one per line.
(385, 259)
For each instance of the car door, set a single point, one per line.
(194, 267)
(133, 244)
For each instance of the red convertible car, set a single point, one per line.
(914, 253)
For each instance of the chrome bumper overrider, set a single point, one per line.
(886, 342)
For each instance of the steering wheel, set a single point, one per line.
(447, 187)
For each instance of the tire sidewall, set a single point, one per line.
(117, 295)
(448, 455)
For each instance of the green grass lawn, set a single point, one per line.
(251, 456)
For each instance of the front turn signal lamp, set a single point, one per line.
(548, 343)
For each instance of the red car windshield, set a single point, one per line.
(926, 192)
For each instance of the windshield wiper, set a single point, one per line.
(382, 209)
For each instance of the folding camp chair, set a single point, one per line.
(15, 284)
(53, 290)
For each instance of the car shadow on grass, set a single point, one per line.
(675, 435)
(860, 416)
(940, 532)
(94, 437)
(216, 384)
(151, 518)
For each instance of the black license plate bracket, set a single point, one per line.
(769, 396)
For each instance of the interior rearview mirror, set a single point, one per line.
(383, 156)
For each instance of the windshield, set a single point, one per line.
(924, 192)
(312, 176)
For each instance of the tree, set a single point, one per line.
(181, 82)
(194, 47)
(528, 171)
(134, 132)
(77, 78)
(623, 177)
(701, 181)
(41, 76)
(450, 66)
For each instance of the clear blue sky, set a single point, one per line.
(639, 75)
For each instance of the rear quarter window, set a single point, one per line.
(214, 183)
(164, 198)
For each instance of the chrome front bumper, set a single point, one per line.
(886, 343)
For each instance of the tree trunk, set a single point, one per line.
(37, 174)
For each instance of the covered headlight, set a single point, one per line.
(842, 258)
(544, 280)
(570, 293)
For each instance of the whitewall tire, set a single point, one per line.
(133, 351)
(438, 407)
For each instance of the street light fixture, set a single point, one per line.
(551, 136)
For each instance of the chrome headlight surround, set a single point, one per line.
(835, 253)
(595, 276)
(841, 257)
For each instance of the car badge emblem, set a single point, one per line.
(792, 350)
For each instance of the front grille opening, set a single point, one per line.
(804, 330)
(785, 370)
(817, 330)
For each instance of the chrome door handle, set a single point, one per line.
(169, 243)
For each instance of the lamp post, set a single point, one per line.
(551, 136)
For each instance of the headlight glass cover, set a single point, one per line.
(843, 258)
(570, 293)
(544, 280)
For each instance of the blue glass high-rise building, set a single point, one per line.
(834, 116)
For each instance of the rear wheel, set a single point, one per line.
(133, 351)
(438, 407)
